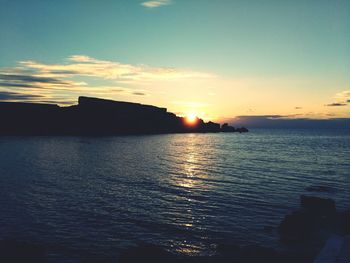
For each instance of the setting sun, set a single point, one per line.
(191, 119)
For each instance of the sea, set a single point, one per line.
(93, 197)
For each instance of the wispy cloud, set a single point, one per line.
(25, 80)
(110, 70)
(156, 3)
(10, 96)
(343, 99)
(343, 95)
(77, 73)
(139, 93)
(336, 104)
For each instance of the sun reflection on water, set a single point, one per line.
(192, 178)
(191, 171)
(187, 249)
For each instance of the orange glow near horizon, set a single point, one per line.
(191, 119)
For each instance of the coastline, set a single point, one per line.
(93, 116)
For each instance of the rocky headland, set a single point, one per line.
(93, 116)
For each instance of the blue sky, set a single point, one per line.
(290, 49)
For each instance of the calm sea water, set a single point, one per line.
(81, 196)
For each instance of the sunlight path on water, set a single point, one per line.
(185, 192)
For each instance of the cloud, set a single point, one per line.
(80, 58)
(110, 70)
(336, 104)
(343, 98)
(139, 93)
(156, 3)
(18, 85)
(14, 96)
(343, 95)
(26, 80)
(54, 79)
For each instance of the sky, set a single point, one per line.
(219, 60)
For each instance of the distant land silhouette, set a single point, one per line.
(94, 116)
(287, 122)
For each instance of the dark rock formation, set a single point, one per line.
(315, 212)
(318, 205)
(212, 127)
(296, 227)
(243, 129)
(18, 252)
(28, 118)
(345, 222)
(227, 128)
(94, 116)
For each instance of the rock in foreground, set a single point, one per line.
(318, 205)
(20, 252)
(296, 227)
(314, 213)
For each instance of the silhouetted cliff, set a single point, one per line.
(94, 116)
